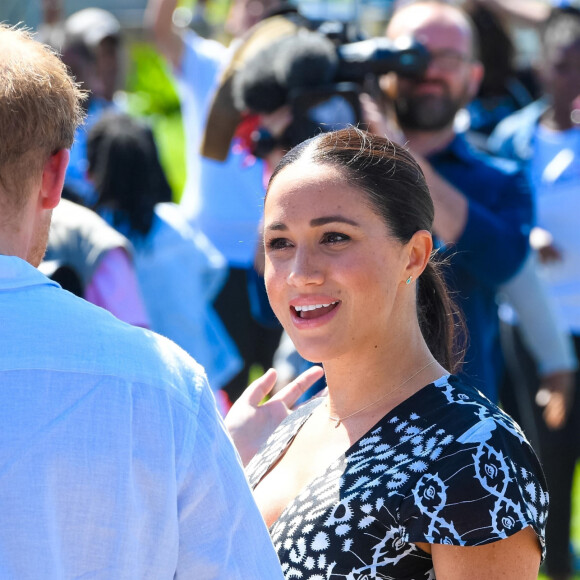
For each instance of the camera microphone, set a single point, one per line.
(304, 60)
(320, 77)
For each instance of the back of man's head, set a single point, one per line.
(40, 110)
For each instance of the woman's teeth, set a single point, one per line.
(312, 306)
(301, 309)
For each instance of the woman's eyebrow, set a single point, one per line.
(322, 221)
(277, 226)
(316, 222)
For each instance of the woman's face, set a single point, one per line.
(333, 272)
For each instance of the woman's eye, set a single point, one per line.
(277, 244)
(334, 238)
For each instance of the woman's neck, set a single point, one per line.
(386, 376)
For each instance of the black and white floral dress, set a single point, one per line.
(446, 466)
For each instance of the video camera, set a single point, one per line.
(315, 69)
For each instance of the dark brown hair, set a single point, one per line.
(396, 190)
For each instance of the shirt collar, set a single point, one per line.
(458, 148)
(17, 273)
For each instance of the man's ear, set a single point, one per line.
(53, 174)
(475, 78)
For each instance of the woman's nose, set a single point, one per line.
(305, 269)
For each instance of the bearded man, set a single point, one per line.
(483, 208)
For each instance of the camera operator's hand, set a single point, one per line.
(451, 205)
(276, 124)
(378, 122)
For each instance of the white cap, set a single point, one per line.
(90, 26)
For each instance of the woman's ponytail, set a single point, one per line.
(440, 320)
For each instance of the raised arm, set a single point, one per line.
(529, 12)
(159, 21)
(548, 342)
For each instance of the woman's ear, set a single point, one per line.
(419, 249)
(53, 174)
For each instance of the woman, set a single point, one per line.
(401, 471)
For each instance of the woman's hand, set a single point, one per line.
(251, 423)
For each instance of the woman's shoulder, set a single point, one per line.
(449, 393)
(480, 459)
(468, 416)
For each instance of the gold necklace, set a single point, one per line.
(340, 420)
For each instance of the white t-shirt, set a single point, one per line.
(223, 199)
(555, 178)
(180, 273)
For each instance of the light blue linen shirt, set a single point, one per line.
(114, 463)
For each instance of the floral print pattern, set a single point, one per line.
(446, 466)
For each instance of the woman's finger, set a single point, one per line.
(260, 388)
(294, 390)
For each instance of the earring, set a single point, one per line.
(408, 280)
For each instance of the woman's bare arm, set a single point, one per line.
(515, 558)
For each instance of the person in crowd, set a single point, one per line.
(402, 470)
(545, 138)
(88, 257)
(222, 199)
(92, 50)
(505, 86)
(178, 269)
(528, 293)
(115, 463)
(483, 207)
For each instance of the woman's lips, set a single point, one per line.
(314, 314)
(312, 311)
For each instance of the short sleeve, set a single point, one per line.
(485, 487)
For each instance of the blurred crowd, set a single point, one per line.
(497, 136)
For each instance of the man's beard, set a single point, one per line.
(426, 112)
